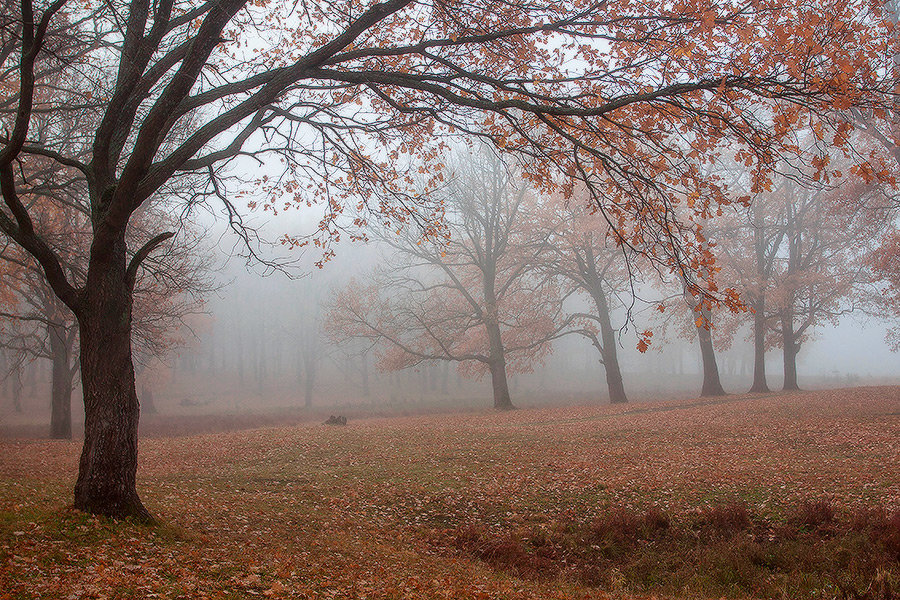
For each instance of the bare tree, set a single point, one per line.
(822, 272)
(478, 298)
(588, 257)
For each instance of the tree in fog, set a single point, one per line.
(701, 313)
(172, 286)
(821, 273)
(800, 255)
(306, 337)
(344, 94)
(749, 248)
(352, 356)
(885, 264)
(590, 260)
(691, 316)
(479, 297)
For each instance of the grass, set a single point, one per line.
(723, 550)
(790, 496)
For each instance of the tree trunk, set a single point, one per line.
(497, 364)
(712, 385)
(108, 467)
(146, 398)
(500, 386)
(791, 349)
(614, 382)
(4, 375)
(759, 348)
(61, 394)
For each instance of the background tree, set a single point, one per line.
(702, 313)
(587, 255)
(307, 341)
(478, 298)
(885, 263)
(821, 272)
(749, 247)
(172, 286)
(692, 317)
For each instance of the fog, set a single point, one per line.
(259, 347)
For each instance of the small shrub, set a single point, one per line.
(531, 555)
(890, 534)
(622, 525)
(813, 514)
(867, 518)
(726, 517)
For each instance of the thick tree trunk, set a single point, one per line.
(791, 349)
(108, 467)
(4, 375)
(61, 394)
(759, 348)
(712, 385)
(499, 383)
(614, 382)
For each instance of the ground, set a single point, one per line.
(774, 496)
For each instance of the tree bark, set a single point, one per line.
(500, 385)
(108, 466)
(759, 348)
(61, 393)
(497, 364)
(791, 349)
(4, 375)
(712, 384)
(614, 382)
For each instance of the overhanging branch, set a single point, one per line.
(143, 253)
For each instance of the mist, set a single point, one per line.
(256, 349)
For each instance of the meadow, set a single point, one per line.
(774, 496)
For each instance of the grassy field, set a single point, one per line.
(777, 496)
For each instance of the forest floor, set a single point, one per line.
(773, 496)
